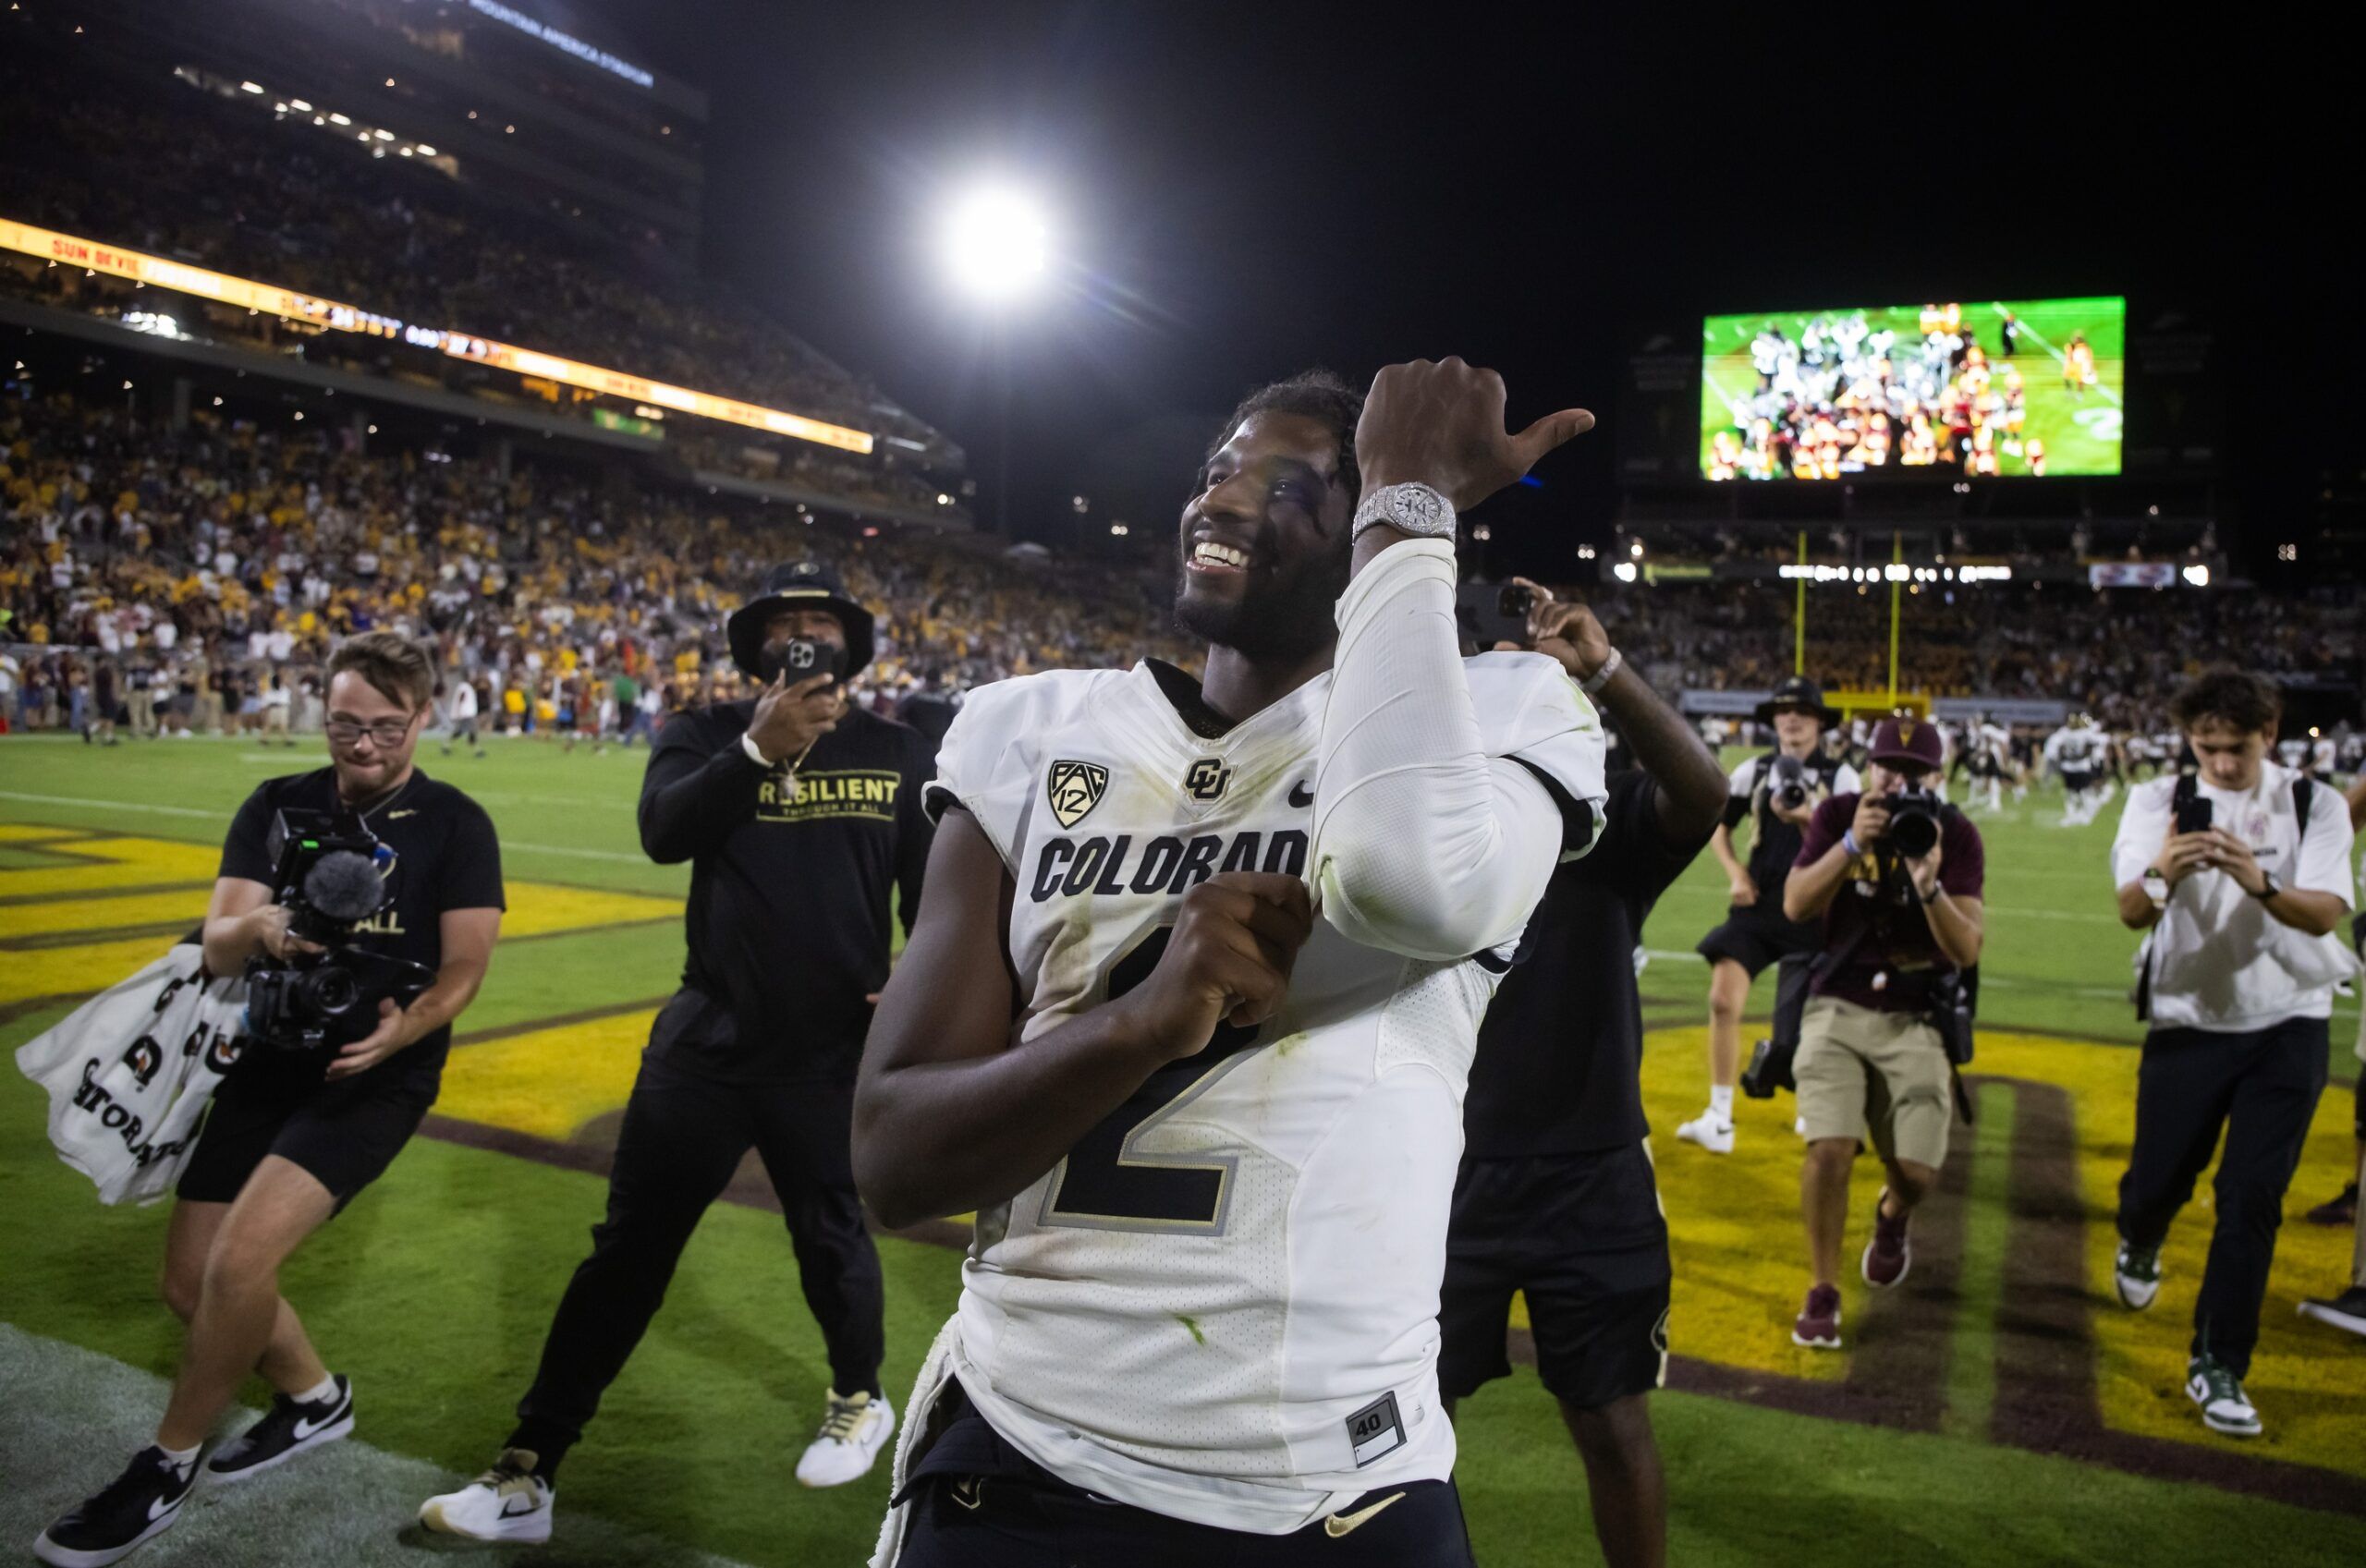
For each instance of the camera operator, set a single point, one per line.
(1777, 793)
(2241, 874)
(1897, 878)
(1555, 1196)
(800, 815)
(293, 1135)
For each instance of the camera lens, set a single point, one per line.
(330, 990)
(1914, 831)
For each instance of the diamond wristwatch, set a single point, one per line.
(1410, 508)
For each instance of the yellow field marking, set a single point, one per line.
(103, 913)
(2307, 1381)
(1734, 1228)
(21, 833)
(535, 909)
(130, 862)
(1741, 1268)
(551, 1083)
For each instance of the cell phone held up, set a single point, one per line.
(2193, 816)
(800, 658)
(1493, 612)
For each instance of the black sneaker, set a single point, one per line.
(2346, 1311)
(286, 1431)
(142, 1502)
(2341, 1210)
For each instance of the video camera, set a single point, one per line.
(330, 871)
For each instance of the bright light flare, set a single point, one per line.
(997, 243)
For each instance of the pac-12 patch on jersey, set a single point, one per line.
(1221, 1304)
(1075, 788)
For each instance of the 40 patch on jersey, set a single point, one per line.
(1075, 788)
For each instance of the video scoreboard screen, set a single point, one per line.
(1955, 390)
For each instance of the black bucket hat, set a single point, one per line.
(1797, 691)
(799, 585)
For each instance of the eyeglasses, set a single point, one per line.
(385, 732)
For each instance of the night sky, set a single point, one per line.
(1242, 191)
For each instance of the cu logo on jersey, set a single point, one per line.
(1207, 778)
(1075, 788)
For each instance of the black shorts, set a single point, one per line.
(1757, 936)
(2077, 783)
(1583, 1237)
(977, 1502)
(345, 1134)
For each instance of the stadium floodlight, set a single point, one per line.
(997, 242)
(2197, 574)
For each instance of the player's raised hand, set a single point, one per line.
(1441, 423)
(1229, 960)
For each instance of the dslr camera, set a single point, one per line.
(330, 871)
(1788, 782)
(1913, 821)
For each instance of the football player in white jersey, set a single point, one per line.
(1188, 1010)
(2080, 752)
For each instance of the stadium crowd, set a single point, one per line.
(230, 186)
(211, 566)
(228, 559)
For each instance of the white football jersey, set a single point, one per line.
(2077, 752)
(1221, 1305)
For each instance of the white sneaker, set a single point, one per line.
(508, 1503)
(853, 1430)
(1711, 1131)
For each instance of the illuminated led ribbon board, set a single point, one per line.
(179, 276)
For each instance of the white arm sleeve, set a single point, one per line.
(1423, 845)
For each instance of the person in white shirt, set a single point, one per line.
(274, 703)
(2241, 874)
(460, 717)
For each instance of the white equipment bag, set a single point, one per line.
(130, 1072)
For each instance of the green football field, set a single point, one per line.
(2081, 429)
(1997, 1409)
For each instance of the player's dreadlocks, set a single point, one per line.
(1319, 394)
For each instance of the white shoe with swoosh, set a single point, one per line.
(508, 1503)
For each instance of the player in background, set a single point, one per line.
(2078, 753)
(1210, 1136)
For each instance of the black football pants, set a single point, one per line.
(2262, 1089)
(682, 1138)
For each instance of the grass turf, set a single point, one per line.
(434, 1289)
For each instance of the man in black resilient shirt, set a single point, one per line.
(800, 813)
(1557, 1196)
(294, 1133)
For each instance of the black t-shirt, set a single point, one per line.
(789, 922)
(1774, 843)
(445, 857)
(1560, 1054)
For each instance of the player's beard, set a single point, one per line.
(1282, 616)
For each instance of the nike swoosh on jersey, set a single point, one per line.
(1337, 1525)
(1300, 797)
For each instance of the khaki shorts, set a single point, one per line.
(1884, 1074)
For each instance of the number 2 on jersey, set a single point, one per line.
(1106, 1182)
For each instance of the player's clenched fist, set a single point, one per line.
(1441, 423)
(1229, 960)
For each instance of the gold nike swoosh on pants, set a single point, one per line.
(1337, 1525)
